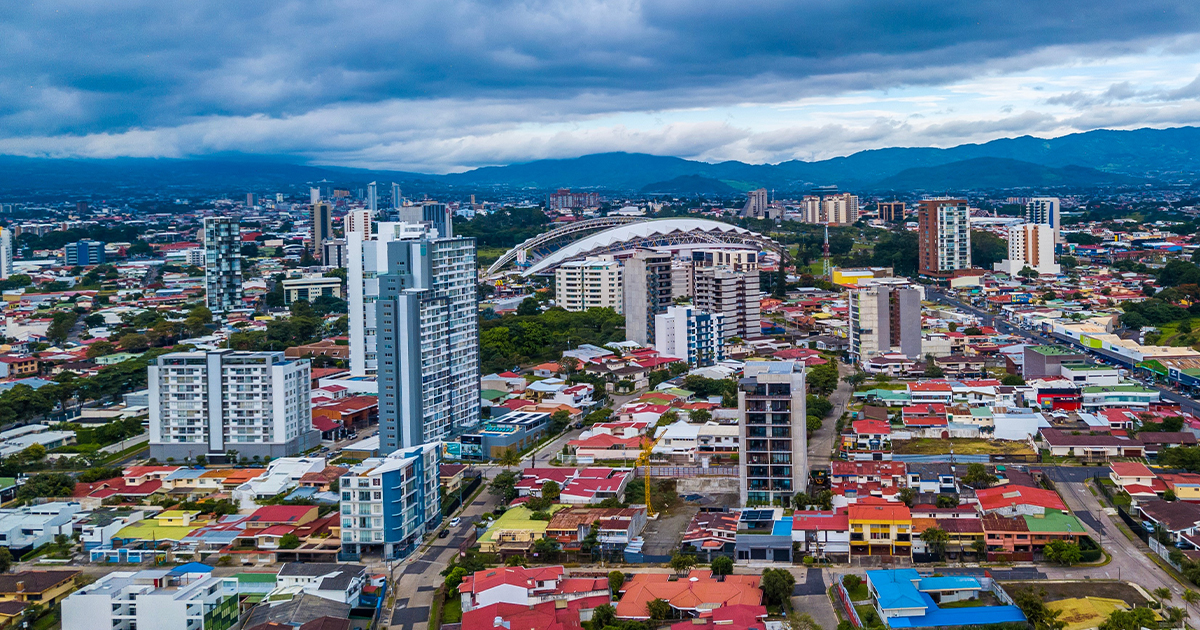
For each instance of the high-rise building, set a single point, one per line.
(389, 503)
(885, 316)
(690, 334)
(6, 252)
(154, 600)
(83, 253)
(726, 282)
(756, 204)
(1030, 245)
(322, 229)
(366, 257)
(1044, 210)
(357, 221)
(334, 254)
(314, 196)
(427, 341)
(564, 199)
(891, 211)
(434, 216)
(812, 210)
(683, 278)
(943, 236)
(840, 209)
(81, 207)
(373, 198)
(251, 200)
(647, 280)
(222, 263)
(772, 432)
(397, 198)
(217, 402)
(594, 282)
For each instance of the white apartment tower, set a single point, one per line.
(1030, 245)
(427, 340)
(211, 403)
(690, 334)
(756, 204)
(725, 282)
(885, 316)
(6, 252)
(594, 282)
(153, 600)
(222, 263)
(840, 209)
(373, 198)
(772, 432)
(812, 210)
(366, 257)
(358, 221)
(1044, 210)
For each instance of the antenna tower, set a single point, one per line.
(826, 270)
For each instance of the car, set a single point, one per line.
(444, 533)
(455, 521)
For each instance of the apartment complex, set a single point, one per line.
(772, 426)
(841, 209)
(6, 252)
(222, 264)
(389, 503)
(885, 317)
(690, 334)
(1030, 245)
(427, 340)
(310, 288)
(333, 253)
(322, 226)
(564, 199)
(83, 253)
(1044, 210)
(154, 599)
(594, 282)
(647, 288)
(357, 221)
(757, 204)
(366, 254)
(225, 403)
(732, 294)
(943, 236)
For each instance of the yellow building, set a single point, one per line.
(177, 518)
(851, 277)
(881, 529)
(37, 587)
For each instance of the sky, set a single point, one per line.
(448, 85)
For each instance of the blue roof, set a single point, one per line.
(949, 583)
(895, 588)
(34, 382)
(191, 567)
(782, 527)
(977, 616)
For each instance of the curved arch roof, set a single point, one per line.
(633, 232)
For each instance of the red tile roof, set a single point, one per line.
(991, 499)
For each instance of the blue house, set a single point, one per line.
(905, 599)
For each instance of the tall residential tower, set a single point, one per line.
(943, 236)
(222, 264)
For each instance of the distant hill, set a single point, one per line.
(690, 185)
(993, 173)
(1091, 159)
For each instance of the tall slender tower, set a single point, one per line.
(6, 252)
(826, 270)
(373, 198)
(322, 229)
(222, 263)
(397, 198)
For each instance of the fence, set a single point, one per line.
(691, 471)
(847, 605)
(1164, 552)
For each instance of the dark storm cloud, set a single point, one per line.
(74, 67)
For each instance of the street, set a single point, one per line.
(820, 443)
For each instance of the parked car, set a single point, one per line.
(444, 533)
(455, 521)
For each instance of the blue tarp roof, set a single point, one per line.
(978, 616)
(191, 567)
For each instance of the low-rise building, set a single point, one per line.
(184, 598)
(337, 582)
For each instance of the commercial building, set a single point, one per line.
(427, 318)
(358, 221)
(310, 288)
(334, 253)
(756, 204)
(83, 253)
(1047, 361)
(436, 217)
(773, 433)
(690, 334)
(389, 503)
(224, 402)
(594, 282)
(184, 598)
(1045, 211)
(6, 252)
(222, 264)
(647, 280)
(322, 226)
(943, 236)
(1030, 245)
(891, 211)
(885, 317)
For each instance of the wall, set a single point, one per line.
(707, 485)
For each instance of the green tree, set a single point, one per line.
(699, 416)
(1190, 597)
(550, 490)
(907, 496)
(134, 342)
(47, 485)
(855, 379)
(100, 349)
(1133, 619)
(946, 501)
(60, 326)
(722, 565)
(455, 578)
(616, 580)
(1062, 552)
(682, 562)
(1012, 379)
(978, 476)
(658, 609)
(509, 458)
(289, 541)
(1162, 593)
(198, 320)
(979, 546)
(987, 249)
(6, 559)
(823, 378)
(936, 538)
(504, 486)
(1027, 272)
(559, 420)
(1032, 602)
(777, 585)
(603, 616)
(529, 307)
(545, 547)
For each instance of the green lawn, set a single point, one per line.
(859, 593)
(966, 603)
(452, 611)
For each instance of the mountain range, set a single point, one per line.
(1101, 158)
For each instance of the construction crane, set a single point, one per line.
(644, 460)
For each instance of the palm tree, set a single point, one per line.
(1162, 593)
(1175, 615)
(936, 538)
(509, 458)
(1191, 597)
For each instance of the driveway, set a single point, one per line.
(820, 443)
